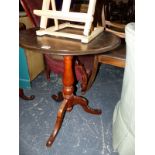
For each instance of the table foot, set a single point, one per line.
(84, 103)
(58, 98)
(24, 97)
(67, 105)
(60, 116)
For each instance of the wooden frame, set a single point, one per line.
(65, 14)
(116, 57)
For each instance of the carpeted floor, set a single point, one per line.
(81, 133)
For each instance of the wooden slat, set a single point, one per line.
(51, 29)
(66, 5)
(75, 26)
(91, 10)
(119, 34)
(71, 16)
(54, 9)
(84, 39)
(45, 6)
(117, 25)
(115, 57)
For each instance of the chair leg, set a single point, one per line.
(47, 68)
(23, 96)
(83, 72)
(94, 72)
(47, 72)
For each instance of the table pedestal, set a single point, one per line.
(69, 99)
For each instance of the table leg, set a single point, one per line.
(80, 67)
(69, 99)
(58, 98)
(60, 115)
(23, 96)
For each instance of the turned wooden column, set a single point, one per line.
(68, 81)
(68, 77)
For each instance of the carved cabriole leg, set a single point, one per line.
(94, 71)
(60, 115)
(84, 103)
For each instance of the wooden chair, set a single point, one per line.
(83, 20)
(115, 57)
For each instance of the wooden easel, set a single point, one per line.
(65, 14)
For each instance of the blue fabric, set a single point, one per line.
(24, 79)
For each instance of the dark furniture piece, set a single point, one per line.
(119, 11)
(21, 91)
(68, 49)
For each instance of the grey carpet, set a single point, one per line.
(81, 133)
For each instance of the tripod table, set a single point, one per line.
(68, 48)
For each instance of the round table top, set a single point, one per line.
(104, 42)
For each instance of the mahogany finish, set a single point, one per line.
(57, 66)
(68, 48)
(69, 99)
(62, 46)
